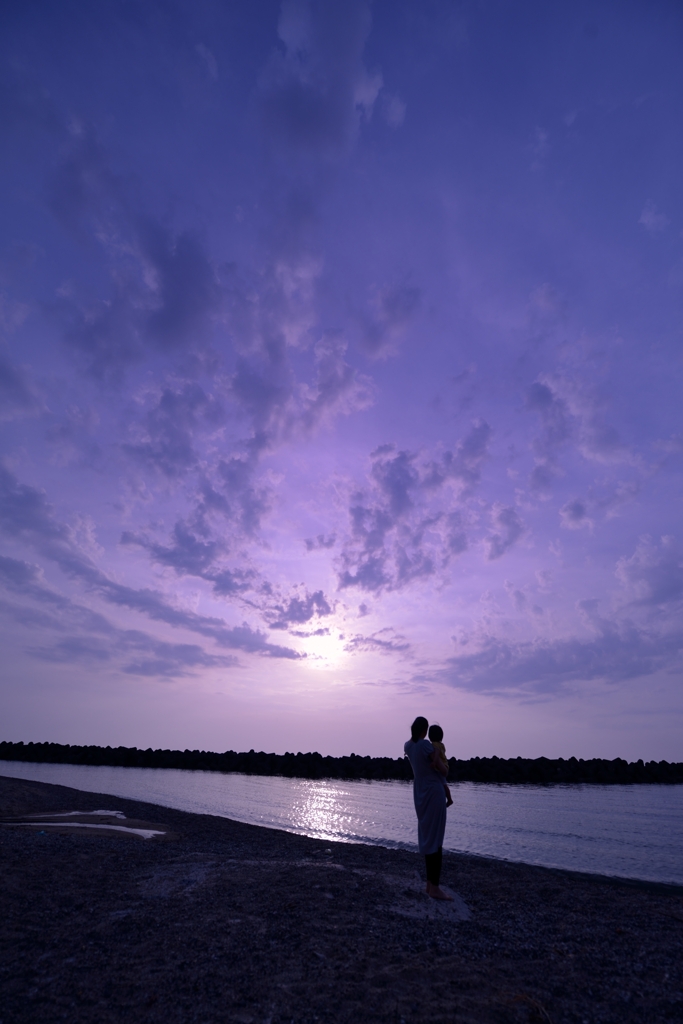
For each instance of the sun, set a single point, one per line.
(325, 652)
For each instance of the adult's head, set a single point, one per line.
(418, 729)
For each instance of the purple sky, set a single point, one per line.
(341, 375)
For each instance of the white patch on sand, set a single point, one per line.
(144, 833)
(79, 814)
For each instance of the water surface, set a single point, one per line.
(630, 831)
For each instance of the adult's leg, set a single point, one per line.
(433, 866)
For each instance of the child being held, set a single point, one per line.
(436, 740)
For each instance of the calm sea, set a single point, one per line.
(631, 831)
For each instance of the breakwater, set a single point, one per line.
(312, 765)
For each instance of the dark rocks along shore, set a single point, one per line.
(233, 923)
(515, 770)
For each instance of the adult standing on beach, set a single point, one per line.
(429, 794)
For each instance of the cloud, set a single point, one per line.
(618, 653)
(383, 555)
(465, 462)
(574, 516)
(98, 640)
(321, 542)
(298, 610)
(17, 394)
(403, 529)
(393, 110)
(569, 409)
(29, 617)
(396, 476)
(518, 597)
(163, 292)
(315, 91)
(12, 313)
(183, 286)
(544, 578)
(520, 601)
(25, 513)
(391, 644)
(553, 412)
(187, 554)
(509, 528)
(24, 510)
(104, 333)
(392, 309)
(546, 303)
(651, 219)
(543, 475)
(163, 296)
(239, 497)
(171, 436)
(83, 189)
(193, 551)
(26, 579)
(164, 438)
(456, 537)
(653, 575)
(70, 436)
(229, 582)
(17, 573)
(74, 649)
(338, 388)
(672, 446)
(150, 657)
(555, 431)
(264, 392)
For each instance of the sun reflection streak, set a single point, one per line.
(325, 812)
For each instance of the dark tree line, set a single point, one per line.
(315, 766)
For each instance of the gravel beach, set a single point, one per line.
(221, 921)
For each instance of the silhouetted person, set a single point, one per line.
(430, 803)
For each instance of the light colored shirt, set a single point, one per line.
(429, 796)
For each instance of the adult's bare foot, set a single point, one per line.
(437, 893)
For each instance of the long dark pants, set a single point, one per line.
(433, 865)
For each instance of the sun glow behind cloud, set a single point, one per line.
(326, 652)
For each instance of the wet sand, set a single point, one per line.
(218, 921)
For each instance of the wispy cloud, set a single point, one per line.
(25, 514)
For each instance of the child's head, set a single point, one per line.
(436, 733)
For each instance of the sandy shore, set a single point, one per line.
(228, 922)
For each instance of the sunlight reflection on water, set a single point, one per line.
(632, 831)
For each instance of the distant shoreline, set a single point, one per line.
(516, 771)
